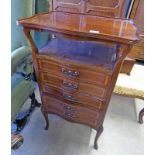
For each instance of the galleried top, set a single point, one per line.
(95, 27)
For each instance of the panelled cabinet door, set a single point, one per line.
(138, 16)
(76, 6)
(111, 8)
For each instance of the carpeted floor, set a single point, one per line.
(122, 135)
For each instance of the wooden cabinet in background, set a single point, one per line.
(137, 14)
(75, 6)
(111, 8)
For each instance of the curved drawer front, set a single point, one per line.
(72, 86)
(74, 98)
(75, 72)
(70, 112)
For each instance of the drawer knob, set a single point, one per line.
(70, 73)
(70, 109)
(69, 115)
(70, 86)
(70, 98)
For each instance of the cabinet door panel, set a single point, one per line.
(112, 8)
(137, 14)
(75, 6)
(138, 17)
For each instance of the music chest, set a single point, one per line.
(77, 68)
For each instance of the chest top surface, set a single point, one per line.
(110, 29)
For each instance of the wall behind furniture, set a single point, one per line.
(40, 7)
(19, 9)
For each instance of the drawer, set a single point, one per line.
(70, 112)
(75, 72)
(71, 86)
(74, 98)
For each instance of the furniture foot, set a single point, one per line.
(141, 115)
(16, 141)
(99, 131)
(46, 119)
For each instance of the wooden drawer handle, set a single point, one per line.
(70, 73)
(70, 86)
(70, 109)
(69, 115)
(70, 98)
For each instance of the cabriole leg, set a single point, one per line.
(99, 131)
(46, 118)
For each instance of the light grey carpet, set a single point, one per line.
(122, 135)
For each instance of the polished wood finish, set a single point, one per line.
(75, 6)
(78, 98)
(78, 69)
(111, 8)
(138, 11)
(137, 14)
(71, 111)
(86, 26)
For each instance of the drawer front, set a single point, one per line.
(71, 86)
(74, 72)
(74, 98)
(70, 112)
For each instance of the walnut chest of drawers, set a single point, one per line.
(78, 68)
